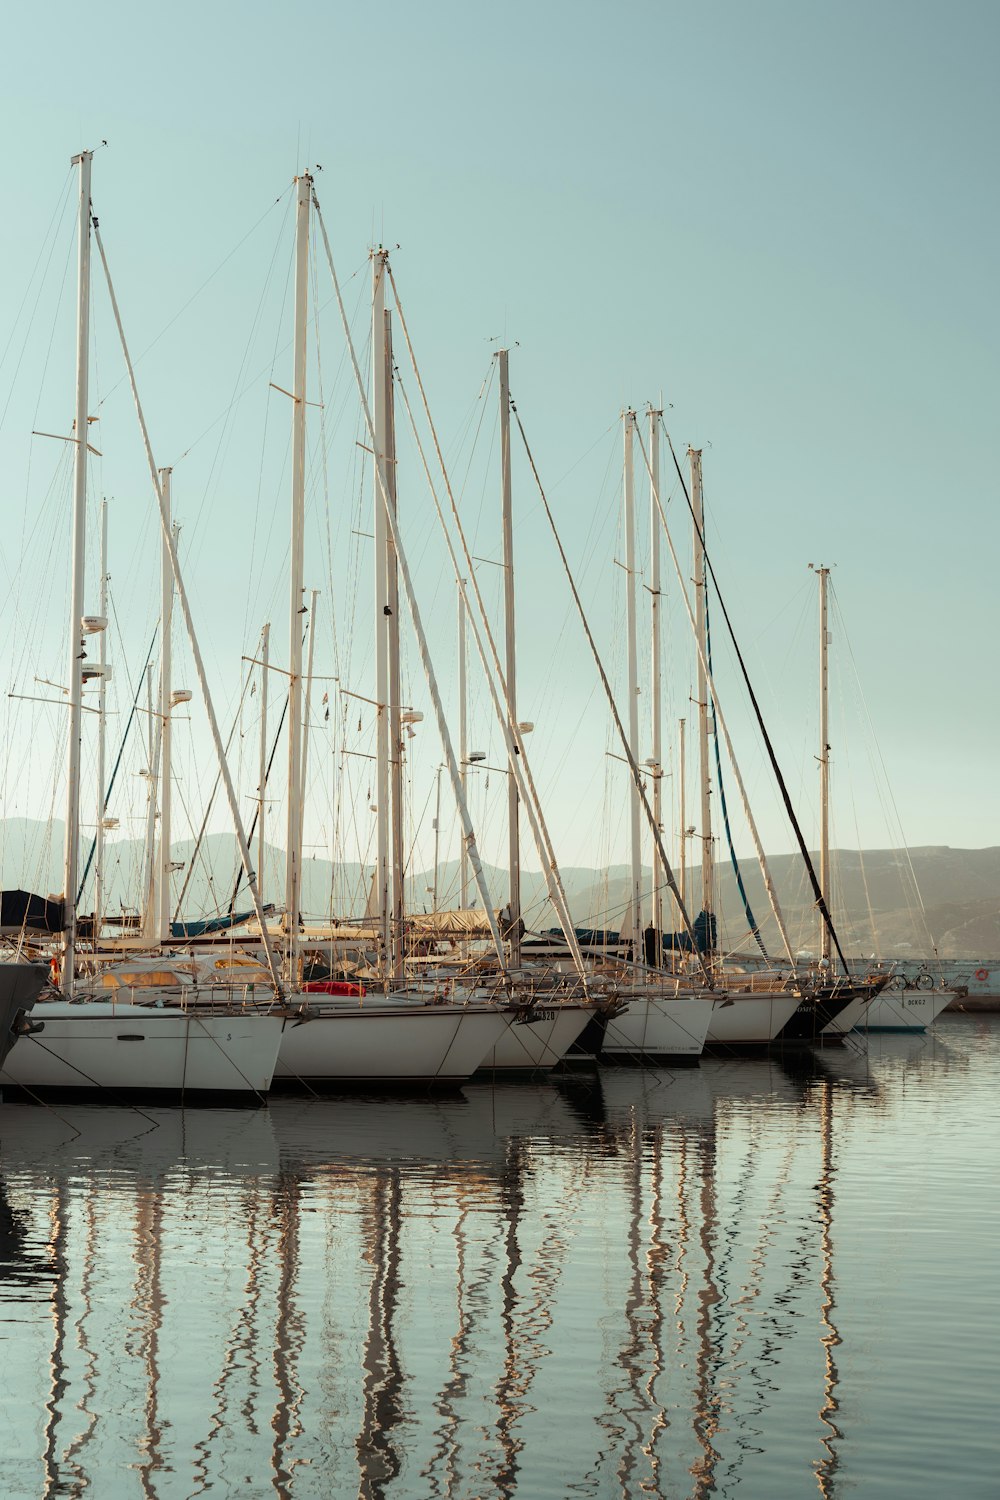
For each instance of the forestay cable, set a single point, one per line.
(513, 739)
(820, 900)
(672, 885)
(720, 719)
(418, 629)
(514, 742)
(182, 598)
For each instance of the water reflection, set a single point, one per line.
(644, 1283)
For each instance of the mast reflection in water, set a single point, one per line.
(641, 1284)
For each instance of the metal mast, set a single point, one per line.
(437, 836)
(682, 808)
(382, 605)
(293, 855)
(313, 596)
(707, 867)
(162, 918)
(391, 624)
(185, 607)
(150, 882)
(823, 574)
(76, 649)
(102, 696)
(513, 830)
(463, 743)
(656, 706)
(265, 649)
(635, 891)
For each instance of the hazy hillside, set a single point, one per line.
(875, 903)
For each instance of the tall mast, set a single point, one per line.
(76, 649)
(513, 830)
(313, 596)
(463, 744)
(185, 608)
(265, 650)
(437, 836)
(656, 708)
(707, 870)
(150, 884)
(823, 575)
(391, 625)
(102, 695)
(166, 687)
(635, 889)
(293, 855)
(382, 606)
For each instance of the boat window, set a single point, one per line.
(143, 980)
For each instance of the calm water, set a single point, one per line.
(746, 1278)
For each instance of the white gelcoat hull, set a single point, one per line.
(385, 1043)
(658, 1026)
(140, 1048)
(905, 1010)
(751, 1020)
(854, 1016)
(539, 1043)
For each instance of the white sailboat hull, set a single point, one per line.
(659, 1026)
(387, 1043)
(852, 1018)
(750, 1020)
(904, 1010)
(148, 1049)
(537, 1041)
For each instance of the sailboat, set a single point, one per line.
(739, 1015)
(778, 1008)
(881, 1007)
(151, 1040)
(440, 1029)
(557, 1008)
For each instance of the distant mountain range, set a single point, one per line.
(875, 903)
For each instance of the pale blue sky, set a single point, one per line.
(782, 215)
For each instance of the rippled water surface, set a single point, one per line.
(748, 1277)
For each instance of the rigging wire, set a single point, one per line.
(188, 620)
(197, 293)
(748, 811)
(517, 758)
(636, 775)
(723, 805)
(52, 237)
(886, 792)
(118, 760)
(820, 899)
(411, 601)
(208, 809)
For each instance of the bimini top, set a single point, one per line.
(206, 925)
(21, 911)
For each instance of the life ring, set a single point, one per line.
(982, 974)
